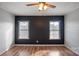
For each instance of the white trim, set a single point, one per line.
(6, 49)
(72, 50)
(38, 45)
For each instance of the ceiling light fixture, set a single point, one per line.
(42, 5)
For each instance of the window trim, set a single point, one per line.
(27, 30)
(54, 30)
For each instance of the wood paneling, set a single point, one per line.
(39, 51)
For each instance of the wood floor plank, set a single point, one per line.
(39, 51)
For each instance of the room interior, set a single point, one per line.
(30, 31)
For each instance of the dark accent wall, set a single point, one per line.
(39, 29)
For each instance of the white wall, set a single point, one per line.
(6, 30)
(72, 30)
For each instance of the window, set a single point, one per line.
(23, 30)
(54, 30)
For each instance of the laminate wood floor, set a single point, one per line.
(39, 51)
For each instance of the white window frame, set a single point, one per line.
(51, 37)
(23, 33)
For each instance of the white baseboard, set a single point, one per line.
(72, 50)
(6, 49)
(38, 45)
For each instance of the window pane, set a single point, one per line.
(54, 30)
(54, 26)
(54, 35)
(23, 30)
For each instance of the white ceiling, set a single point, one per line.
(20, 8)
